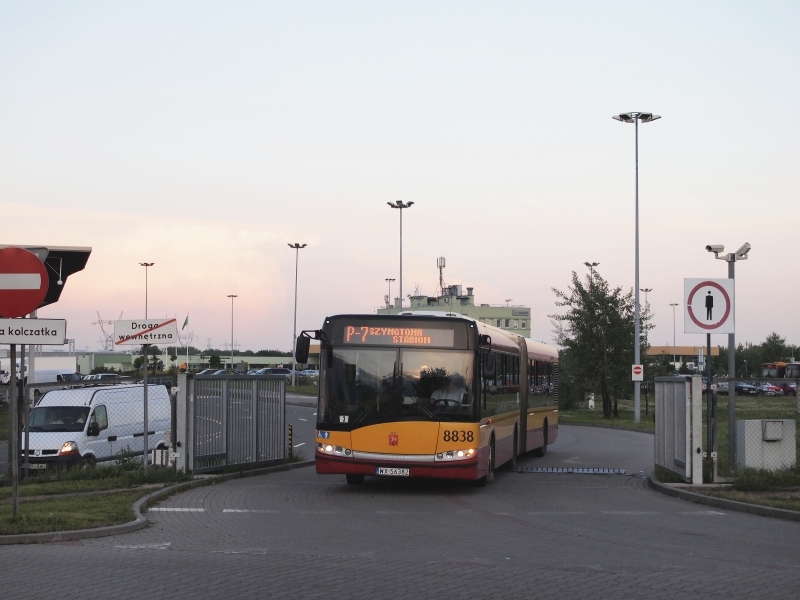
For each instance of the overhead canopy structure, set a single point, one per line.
(60, 262)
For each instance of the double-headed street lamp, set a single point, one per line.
(232, 296)
(731, 258)
(389, 280)
(645, 290)
(635, 117)
(146, 266)
(297, 247)
(399, 204)
(591, 266)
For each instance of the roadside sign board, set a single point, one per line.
(146, 331)
(637, 373)
(709, 306)
(47, 332)
(23, 282)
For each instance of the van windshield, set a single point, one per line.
(59, 418)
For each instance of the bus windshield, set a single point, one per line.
(372, 385)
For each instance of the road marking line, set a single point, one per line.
(629, 512)
(157, 509)
(298, 445)
(306, 420)
(248, 510)
(557, 513)
(161, 546)
(702, 512)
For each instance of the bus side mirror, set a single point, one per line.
(489, 365)
(301, 348)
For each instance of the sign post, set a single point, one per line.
(141, 332)
(708, 308)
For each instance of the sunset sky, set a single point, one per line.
(205, 136)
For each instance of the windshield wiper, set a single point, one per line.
(364, 414)
(425, 409)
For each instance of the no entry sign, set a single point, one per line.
(709, 306)
(23, 282)
(637, 373)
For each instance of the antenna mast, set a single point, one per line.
(440, 266)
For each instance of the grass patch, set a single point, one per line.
(303, 390)
(789, 499)
(91, 480)
(751, 480)
(595, 417)
(64, 514)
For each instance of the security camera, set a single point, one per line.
(715, 248)
(741, 253)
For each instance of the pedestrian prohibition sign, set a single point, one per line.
(23, 282)
(709, 306)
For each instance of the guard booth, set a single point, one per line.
(229, 421)
(679, 426)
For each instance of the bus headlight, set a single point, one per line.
(335, 450)
(456, 454)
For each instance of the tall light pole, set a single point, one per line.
(674, 360)
(635, 117)
(731, 258)
(232, 296)
(146, 266)
(591, 266)
(145, 387)
(399, 204)
(389, 280)
(297, 248)
(645, 290)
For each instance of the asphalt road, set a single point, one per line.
(296, 534)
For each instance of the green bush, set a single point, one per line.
(760, 480)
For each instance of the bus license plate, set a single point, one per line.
(392, 471)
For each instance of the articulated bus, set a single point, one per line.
(429, 396)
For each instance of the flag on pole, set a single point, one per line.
(185, 323)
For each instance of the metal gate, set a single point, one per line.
(236, 420)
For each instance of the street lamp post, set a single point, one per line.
(635, 117)
(297, 247)
(145, 348)
(591, 266)
(399, 204)
(232, 296)
(673, 305)
(645, 290)
(731, 258)
(389, 280)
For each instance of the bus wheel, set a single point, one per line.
(490, 474)
(512, 464)
(355, 479)
(543, 450)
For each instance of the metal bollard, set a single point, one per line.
(290, 442)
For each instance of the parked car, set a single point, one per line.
(745, 389)
(787, 388)
(310, 373)
(207, 372)
(275, 371)
(769, 389)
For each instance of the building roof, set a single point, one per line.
(680, 350)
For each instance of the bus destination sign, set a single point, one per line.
(398, 336)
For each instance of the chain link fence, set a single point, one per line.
(765, 431)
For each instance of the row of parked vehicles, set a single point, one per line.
(783, 388)
(274, 371)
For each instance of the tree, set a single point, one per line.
(596, 333)
(773, 348)
(214, 361)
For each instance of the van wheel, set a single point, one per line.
(88, 461)
(355, 479)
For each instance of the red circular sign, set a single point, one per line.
(637, 370)
(23, 282)
(724, 318)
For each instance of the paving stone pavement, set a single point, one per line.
(296, 534)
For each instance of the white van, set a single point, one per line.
(95, 424)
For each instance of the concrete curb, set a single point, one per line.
(140, 520)
(601, 426)
(298, 403)
(735, 505)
